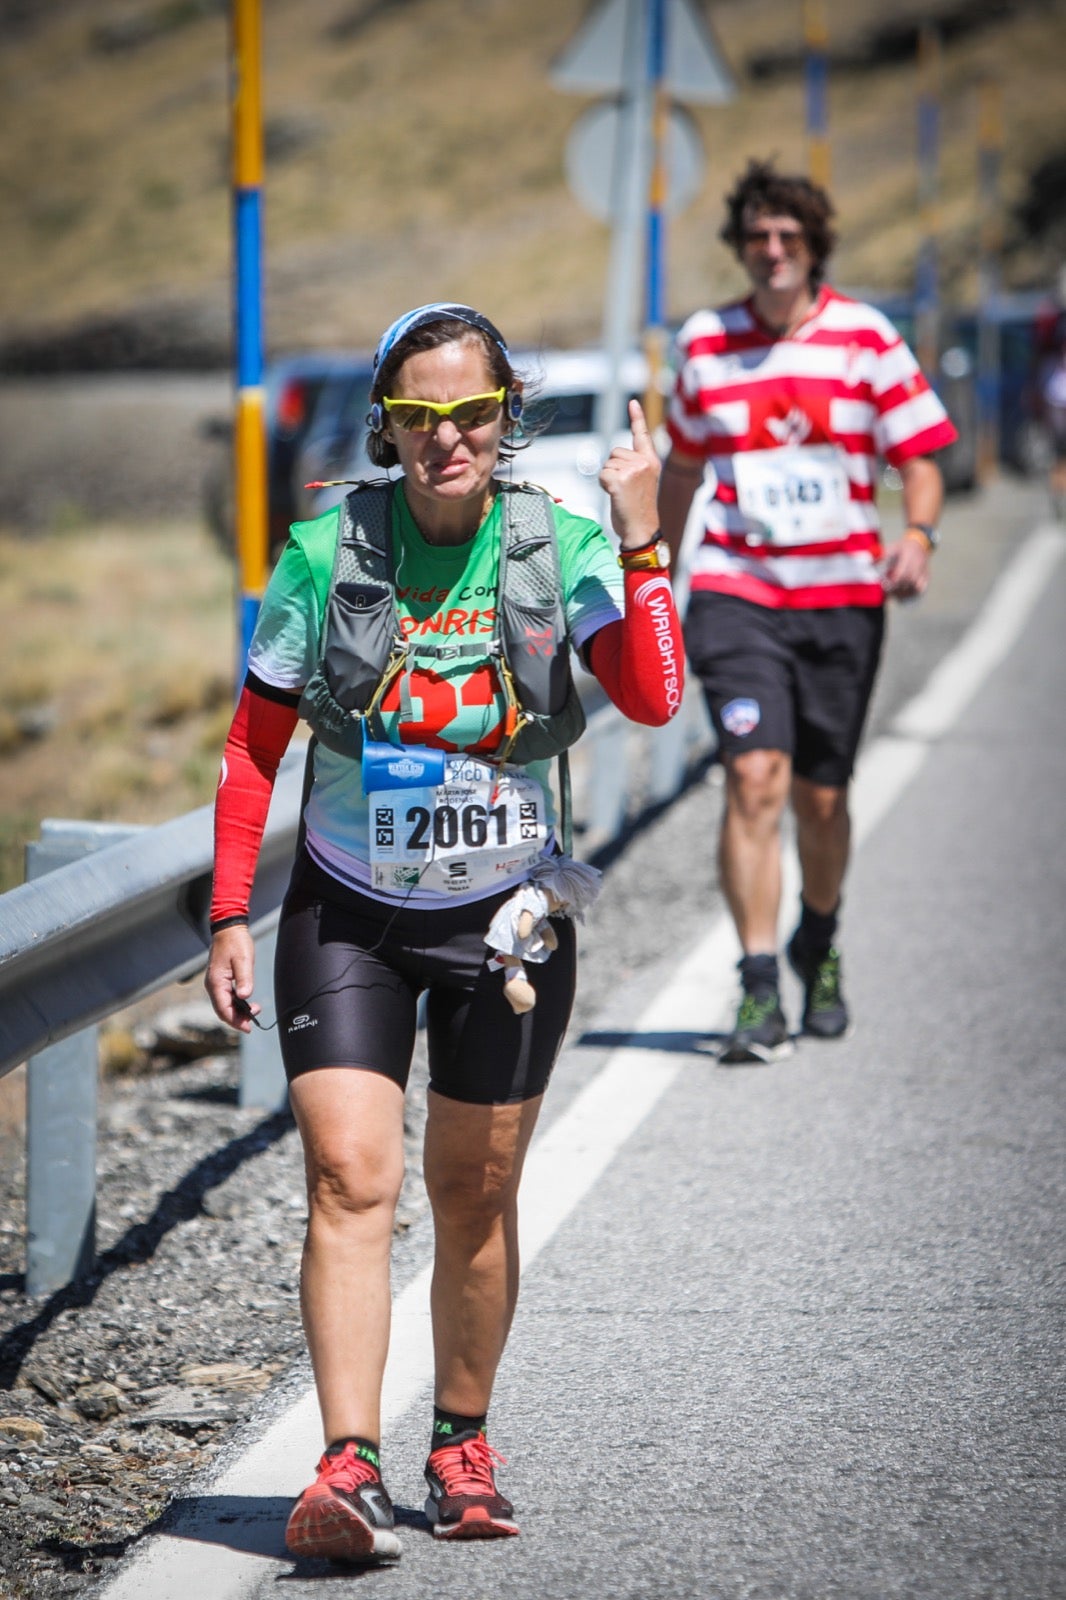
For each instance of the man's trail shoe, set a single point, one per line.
(760, 1034)
(825, 1015)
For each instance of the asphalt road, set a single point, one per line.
(791, 1331)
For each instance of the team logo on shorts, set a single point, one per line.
(739, 717)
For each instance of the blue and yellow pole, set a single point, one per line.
(927, 276)
(655, 297)
(989, 162)
(816, 42)
(249, 439)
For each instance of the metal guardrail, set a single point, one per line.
(98, 933)
(111, 914)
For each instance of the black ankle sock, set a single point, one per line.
(759, 974)
(447, 1425)
(369, 1449)
(816, 929)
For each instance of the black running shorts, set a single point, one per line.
(348, 975)
(798, 681)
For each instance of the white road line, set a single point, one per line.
(565, 1162)
(891, 762)
(987, 641)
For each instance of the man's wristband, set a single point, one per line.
(928, 533)
(228, 922)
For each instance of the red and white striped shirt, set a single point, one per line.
(811, 414)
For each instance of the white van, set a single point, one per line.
(564, 453)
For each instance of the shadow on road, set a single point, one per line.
(679, 1043)
(254, 1525)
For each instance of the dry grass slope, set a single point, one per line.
(415, 149)
(118, 677)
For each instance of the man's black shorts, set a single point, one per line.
(349, 971)
(798, 681)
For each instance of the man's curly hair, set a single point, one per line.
(771, 193)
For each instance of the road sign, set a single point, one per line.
(631, 158)
(592, 159)
(595, 63)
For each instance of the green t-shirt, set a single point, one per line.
(443, 593)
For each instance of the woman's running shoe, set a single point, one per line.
(346, 1514)
(463, 1502)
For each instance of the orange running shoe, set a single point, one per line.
(463, 1502)
(346, 1514)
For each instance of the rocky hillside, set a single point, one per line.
(415, 149)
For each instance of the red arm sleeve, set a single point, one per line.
(258, 738)
(640, 660)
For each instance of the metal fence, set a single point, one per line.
(111, 913)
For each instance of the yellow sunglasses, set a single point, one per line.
(422, 416)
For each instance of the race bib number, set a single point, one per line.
(468, 834)
(793, 496)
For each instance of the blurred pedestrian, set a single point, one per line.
(1051, 380)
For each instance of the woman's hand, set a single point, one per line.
(630, 479)
(230, 976)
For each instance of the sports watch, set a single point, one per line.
(651, 557)
(931, 535)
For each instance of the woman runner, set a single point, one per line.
(394, 888)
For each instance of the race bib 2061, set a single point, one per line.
(470, 833)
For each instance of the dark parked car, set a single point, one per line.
(316, 406)
(955, 381)
(1021, 322)
(334, 442)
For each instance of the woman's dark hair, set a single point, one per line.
(766, 192)
(430, 336)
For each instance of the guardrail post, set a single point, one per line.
(672, 746)
(61, 1108)
(263, 1080)
(669, 756)
(607, 736)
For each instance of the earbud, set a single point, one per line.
(514, 405)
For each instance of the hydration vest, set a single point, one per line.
(363, 651)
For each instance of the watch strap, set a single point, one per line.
(643, 555)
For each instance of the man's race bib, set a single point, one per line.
(470, 833)
(793, 495)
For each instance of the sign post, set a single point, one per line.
(655, 255)
(643, 53)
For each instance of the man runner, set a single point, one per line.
(783, 404)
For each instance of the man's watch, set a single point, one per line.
(651, 557)
(929, 534)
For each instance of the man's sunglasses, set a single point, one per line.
(422, 416)
(791, 243)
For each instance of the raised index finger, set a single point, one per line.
(642, 440)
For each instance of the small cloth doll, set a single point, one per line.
(520, 931)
